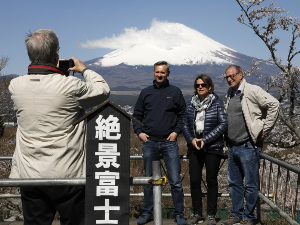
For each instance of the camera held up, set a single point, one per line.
(64, 65)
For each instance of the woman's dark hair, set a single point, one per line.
(207, 80)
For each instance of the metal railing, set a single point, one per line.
(157, 209)
(281, 181)
(279, 186)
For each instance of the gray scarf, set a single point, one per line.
(201, 108)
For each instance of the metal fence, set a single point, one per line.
(281, 181)
(279, 186)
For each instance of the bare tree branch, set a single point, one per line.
(265, 21)
(3, 62)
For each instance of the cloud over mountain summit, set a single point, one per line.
(173, 42)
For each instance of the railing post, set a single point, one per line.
(157, 193)
(258, 206)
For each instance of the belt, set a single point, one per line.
(245, 143)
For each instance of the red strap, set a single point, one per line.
(46, 67)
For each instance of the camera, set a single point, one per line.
(64, 65)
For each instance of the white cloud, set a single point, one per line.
(161, 34)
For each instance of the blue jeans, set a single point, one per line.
(170, 153)
(243, 163)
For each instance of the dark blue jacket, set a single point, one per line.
(215, 125)
(160, 108)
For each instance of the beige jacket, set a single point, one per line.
(260, 109)
(47, 145)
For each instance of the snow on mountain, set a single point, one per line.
(129, 67)
(172, 42)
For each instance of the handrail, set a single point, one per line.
(267, 191)
(281, 163)
(60, 181)
(131, 157)
(5, 157)
(278, 210)
(282, 180)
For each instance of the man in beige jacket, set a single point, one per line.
(251, 112)
(47, 102)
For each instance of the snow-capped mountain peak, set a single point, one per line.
(172, 42)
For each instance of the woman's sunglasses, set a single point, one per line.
(202, 85)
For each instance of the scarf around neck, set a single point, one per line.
(201, 108)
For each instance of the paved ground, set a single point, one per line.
(131, 222)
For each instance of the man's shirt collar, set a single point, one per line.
(234, 93)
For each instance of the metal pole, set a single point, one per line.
(278, 210)
(42, 182)
(133, 157)
(61, 182)
(140, 181)
(258, 208)
(157, 193)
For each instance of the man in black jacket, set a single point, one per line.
(160, 107)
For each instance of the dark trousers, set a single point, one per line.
(41, 203)
(197, 159)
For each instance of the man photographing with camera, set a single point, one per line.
(47, 102)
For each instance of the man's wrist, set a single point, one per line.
(84, 70)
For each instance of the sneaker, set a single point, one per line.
(231, 221)
(211, 220)
(145, 218)
(247, 222)
(194, 219)
(179, 219)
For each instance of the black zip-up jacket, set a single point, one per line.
(160, 108)
(215, 125)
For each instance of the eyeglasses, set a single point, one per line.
(202, 85)
(231, 76)
(58, 49)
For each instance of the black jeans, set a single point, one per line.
(197, 159)
(41, 203)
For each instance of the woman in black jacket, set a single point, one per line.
(204, 124)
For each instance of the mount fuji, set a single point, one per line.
(129, 68)
(172, 42)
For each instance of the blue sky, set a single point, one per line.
(76, 21)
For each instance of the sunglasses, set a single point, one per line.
(202, 85)
(231, 76)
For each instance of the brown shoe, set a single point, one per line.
(194, 219)
(211, 220)
(231, 221)
(247, 222)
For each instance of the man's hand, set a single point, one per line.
(143, 137)
(172, 136)
(79, 65)
(261, 138)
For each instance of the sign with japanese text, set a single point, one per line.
(107, 167)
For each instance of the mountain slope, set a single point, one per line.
(129, 68)
(175, 43)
